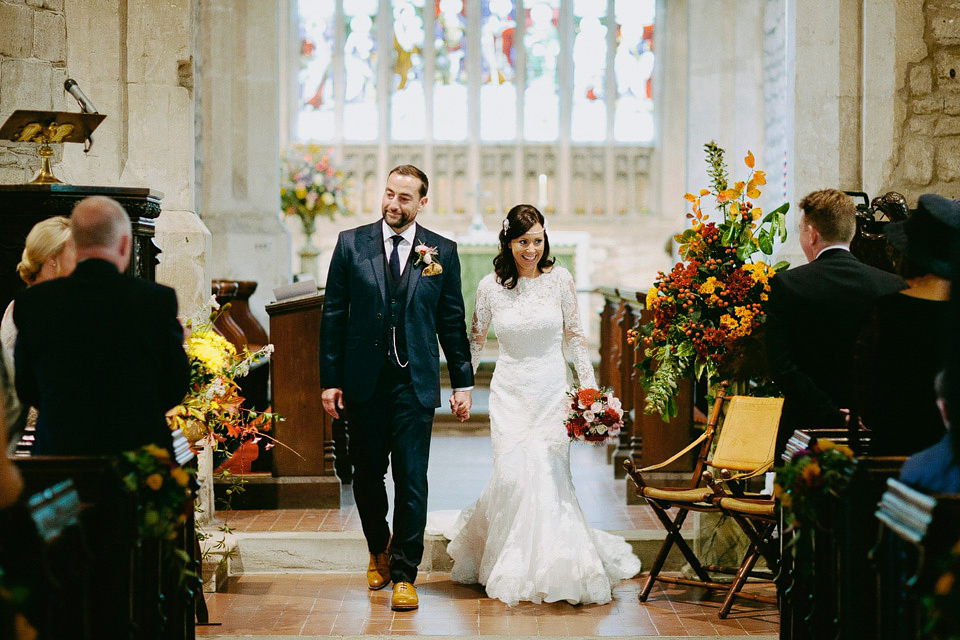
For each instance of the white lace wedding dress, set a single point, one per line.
(526, 537)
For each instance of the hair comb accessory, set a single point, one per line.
(506, 224)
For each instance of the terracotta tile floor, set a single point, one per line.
(338, 604)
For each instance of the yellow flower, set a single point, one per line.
(181, 476)
(944, 584)
(845, 450)
(213, 351)
(811, 471)
(301, 192)
(651, 297)
(825, 444)
(157, 452)
(154, 481)
(710, 285)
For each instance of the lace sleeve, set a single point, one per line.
(573, 333)
(480, 325)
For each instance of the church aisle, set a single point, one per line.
(338, 604)
(325, 604)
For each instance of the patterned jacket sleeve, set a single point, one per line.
(573, 332)
(482, 315)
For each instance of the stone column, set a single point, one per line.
(134, 62)
(238, 113)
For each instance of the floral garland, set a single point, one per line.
(804, 484)
(708, 309)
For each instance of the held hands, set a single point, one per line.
(461, 403)
(332, 401)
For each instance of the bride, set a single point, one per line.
(526, 537)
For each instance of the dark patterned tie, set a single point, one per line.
(395, 257)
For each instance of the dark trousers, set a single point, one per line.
(392, 428)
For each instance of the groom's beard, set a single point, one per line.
(398, 220)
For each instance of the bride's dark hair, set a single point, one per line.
(519, 220)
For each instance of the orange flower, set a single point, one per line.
(154, 481)
(587, 397)
(749, 159)
(944, 584)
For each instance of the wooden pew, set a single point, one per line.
(916, 530)
(75, 543)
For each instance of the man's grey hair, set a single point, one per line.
(103, 226)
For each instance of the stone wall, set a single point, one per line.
(33, 58)
(929, 152)
(134, 62)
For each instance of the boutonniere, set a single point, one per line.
(428, 256)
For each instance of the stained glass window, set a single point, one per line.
(450, 79)
(347, 46)
(315, 76)
(498, 91)
(408, 101)
(589, 116)
(541, 41)
(360, 50)
(633, 69)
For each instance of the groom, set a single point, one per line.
(393, 289)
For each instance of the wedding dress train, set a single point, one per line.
(526, 537)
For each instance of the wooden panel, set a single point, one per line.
(295, 374)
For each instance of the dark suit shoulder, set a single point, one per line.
(434, 238)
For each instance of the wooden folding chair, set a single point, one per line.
(744, 448)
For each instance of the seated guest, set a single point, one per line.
(99, 353)
(904, 335)
(936, 469)
(815, 315)
(47, 254)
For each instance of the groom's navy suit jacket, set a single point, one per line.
(352, 339)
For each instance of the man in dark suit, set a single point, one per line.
(815, 315)
(393, 289)
(99, 354)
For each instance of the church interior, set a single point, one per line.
(595, 111)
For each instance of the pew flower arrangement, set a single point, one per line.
(805, 484)
(164, 490)
(942, 604)
(707, 311)
(310, 185)
(213, 408)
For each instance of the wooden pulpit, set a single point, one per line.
(307, 479)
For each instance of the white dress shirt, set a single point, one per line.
(403, 249)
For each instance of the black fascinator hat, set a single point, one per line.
(930, 237)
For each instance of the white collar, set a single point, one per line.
(409, 234)
(845, 247)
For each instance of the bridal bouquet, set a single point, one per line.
(594, 415)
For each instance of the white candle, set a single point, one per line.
(542, 201)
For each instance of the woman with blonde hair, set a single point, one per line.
(48, 253)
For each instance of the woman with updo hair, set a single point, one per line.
(526, 538)
(48, 253)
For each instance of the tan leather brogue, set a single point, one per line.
(404, 597)
(378, 571)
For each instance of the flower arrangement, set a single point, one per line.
(213, 407)
(164, 490)
(803, 484)
(708, 309)
(309, 184)
(942, 603)
(594, 415)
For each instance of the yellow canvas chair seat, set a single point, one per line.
(743, 448)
